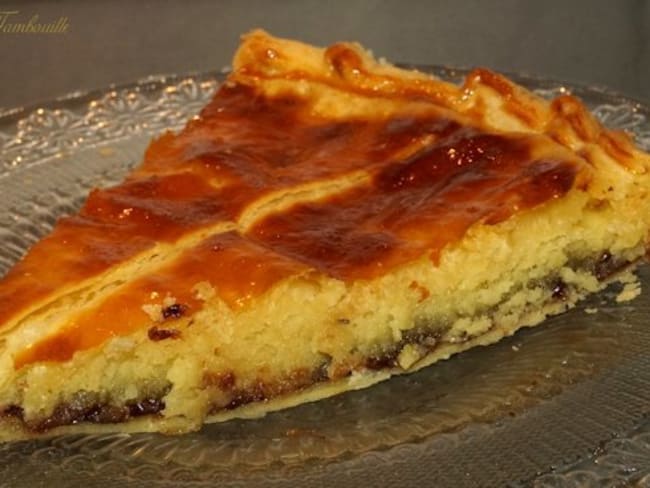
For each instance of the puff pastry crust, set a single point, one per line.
(326, 221)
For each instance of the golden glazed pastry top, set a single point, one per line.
(307, 161)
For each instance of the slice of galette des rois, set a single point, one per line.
(325, 222)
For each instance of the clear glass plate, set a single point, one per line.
(560, 405)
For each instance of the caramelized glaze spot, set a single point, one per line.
(416, 206)
(344, 60)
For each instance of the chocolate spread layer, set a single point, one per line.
(87, 407)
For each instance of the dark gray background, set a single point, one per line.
(601, 42)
